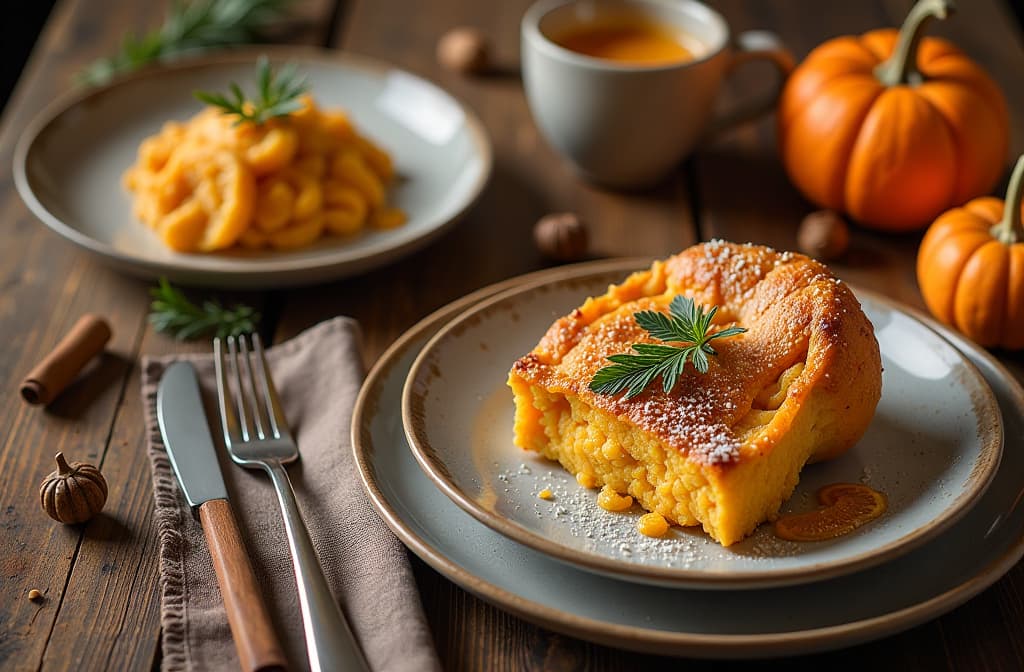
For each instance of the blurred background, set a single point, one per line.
(24, 19)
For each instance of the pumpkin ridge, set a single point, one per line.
(978, 129)
(977, 83)
(1013, 327)
(837, 185)
(864, 192)
(989, 209)
(985, 328)
(786, 121)
(934, 48)
(959, 149)
(881, 42)
(939, 291)
(831, 50)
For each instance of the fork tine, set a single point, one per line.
(257, 415)
(229, 422)
(278, 422)
(243, 407)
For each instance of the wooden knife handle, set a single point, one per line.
(258, 648)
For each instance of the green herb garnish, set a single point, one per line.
(189, 26)
(687, 323)
(278, 95)
(171, 312)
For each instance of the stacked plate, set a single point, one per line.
(452, 486)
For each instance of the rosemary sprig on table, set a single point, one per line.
(278, 95)
(686, 323)
(171, 312)
(190, 25)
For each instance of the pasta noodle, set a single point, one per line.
(209, 184)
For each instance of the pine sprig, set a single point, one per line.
(278, 95)
(686, 323)
(172, 313)
(190, 26)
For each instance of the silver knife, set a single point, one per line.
(186, 434)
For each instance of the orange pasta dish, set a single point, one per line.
(282, 180)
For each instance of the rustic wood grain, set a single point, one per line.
(258, 647)
(99, 580)
(121, 565)
(46, 286)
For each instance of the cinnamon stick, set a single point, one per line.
(49, 378)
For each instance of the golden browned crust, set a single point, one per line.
(794, 311)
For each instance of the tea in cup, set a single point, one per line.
(625, 89)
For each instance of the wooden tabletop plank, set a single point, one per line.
(114, 620)
(101, 608)
(46, 286)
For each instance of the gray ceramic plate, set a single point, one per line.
(69, 162)
(932, 448)
(938, 576)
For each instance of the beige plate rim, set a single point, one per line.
(990, 456)
(268, 269)
(632, 637)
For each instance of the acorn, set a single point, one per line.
(561, 236)
(465, 50)
(823, 235)
(74, 493)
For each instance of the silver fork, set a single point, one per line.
(258, 438)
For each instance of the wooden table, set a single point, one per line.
(100, 581)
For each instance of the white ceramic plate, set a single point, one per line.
(940, 575)
(932, 449)
(69, 162)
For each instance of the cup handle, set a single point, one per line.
(753, 45)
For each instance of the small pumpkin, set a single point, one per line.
(970, 268)
(74, 493)
(893, 128)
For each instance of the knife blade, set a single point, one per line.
(186, 435)
(182, 420)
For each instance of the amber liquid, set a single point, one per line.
(636, 41)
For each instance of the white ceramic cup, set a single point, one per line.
(625, 125)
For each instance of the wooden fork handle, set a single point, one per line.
(258, 648)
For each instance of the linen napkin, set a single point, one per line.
(317, 374)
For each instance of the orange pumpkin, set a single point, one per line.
(970, 268)
(890, 128)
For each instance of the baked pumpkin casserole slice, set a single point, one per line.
(721, 449)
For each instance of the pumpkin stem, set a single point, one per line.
(1009, 230)
(62, 465)
(901, 67)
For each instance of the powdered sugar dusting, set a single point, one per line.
(574, 510)
(699, 414)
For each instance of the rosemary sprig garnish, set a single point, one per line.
(171, 312)
(189, 26)
(686, 323)
(278, 95)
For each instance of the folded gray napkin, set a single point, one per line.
(317, 374)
